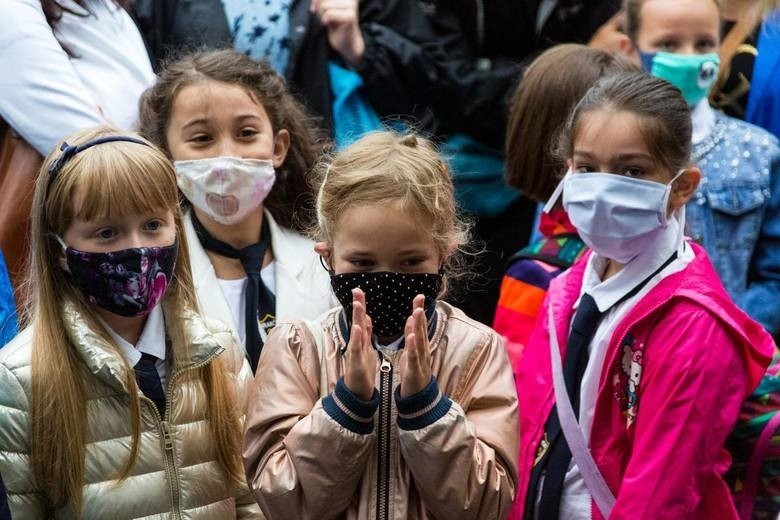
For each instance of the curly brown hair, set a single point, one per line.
(291, 201)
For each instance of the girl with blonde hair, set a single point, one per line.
(419, 416)
(118, 400)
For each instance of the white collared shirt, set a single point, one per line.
(152, 341)
(234, 292)
(703, 120)
(575, 499)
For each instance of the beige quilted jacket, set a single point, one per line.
(176, 474)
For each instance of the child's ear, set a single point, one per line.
(322, 249)
(684, 187)
(281, 146)
(627, 48)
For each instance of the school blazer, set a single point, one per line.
(302, 284)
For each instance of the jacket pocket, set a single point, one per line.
(736, 214)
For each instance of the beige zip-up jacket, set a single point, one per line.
(448, 452)
(176, 474)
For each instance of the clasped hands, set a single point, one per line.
(362, 357)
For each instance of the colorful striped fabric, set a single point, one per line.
(527, 278)
(754, 476)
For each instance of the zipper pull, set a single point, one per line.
(168, 440)
(385, 367)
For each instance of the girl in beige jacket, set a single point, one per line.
(395, 405)
(119, 400)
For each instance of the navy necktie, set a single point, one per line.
(586, 321)
(260, 309)
(149, 381)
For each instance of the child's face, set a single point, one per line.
(214, 119)
(613, 143)
(381, 237)
(103, 235)
(679, 26)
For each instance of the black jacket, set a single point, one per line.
(488, 43)
(401, 67)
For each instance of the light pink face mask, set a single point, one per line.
(226, 189)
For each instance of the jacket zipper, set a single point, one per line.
(165, 426)
(383, 439)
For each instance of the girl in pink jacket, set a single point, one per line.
(652, 358)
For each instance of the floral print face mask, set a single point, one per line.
(128, 282)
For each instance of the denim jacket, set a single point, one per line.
(735, 214)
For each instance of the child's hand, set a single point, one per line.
(340, 17)
(361, 357)
(416, 371)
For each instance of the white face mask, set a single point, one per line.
(226, 189)
(618, 217)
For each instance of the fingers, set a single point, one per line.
(358, 307)
(412, 357)
(367, 332)
(341, 8)
(420, 323)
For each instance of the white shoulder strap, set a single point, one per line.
(572, 431)
(315, 328)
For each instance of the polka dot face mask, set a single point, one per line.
(389, 296)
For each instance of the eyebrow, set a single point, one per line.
(204, 120)
(620, 157)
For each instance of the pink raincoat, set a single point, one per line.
(678, 367)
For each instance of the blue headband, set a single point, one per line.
(68, 151)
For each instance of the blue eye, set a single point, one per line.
(106, 233)
(153, 225)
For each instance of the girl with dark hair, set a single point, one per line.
(639, 357)
(243, 150)
(550, 88)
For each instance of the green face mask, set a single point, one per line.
(693, 74)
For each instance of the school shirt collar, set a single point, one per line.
(152, 340)
(608, 292)
(703, 119)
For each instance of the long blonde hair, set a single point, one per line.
(114, 178)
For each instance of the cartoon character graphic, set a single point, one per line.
(626, 382)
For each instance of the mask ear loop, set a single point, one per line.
(680, 218)
(60, 240)
(550, 204)
(322, 263)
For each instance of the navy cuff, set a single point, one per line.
(423, 408)
(349, 410)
